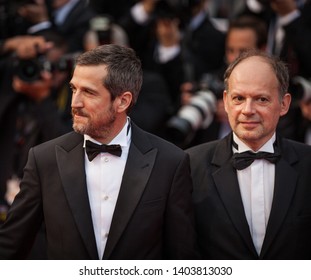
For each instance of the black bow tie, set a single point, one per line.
(245, 159)
(92, 149)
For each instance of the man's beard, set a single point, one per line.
(100, 129)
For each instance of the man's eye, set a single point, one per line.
(263, 99)
(237, 98)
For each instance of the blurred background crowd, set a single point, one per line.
(184, 46)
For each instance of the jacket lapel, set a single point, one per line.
(284, 188)
(227, 185)
(70, 159)
(138, 168)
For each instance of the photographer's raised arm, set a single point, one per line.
(25, 46)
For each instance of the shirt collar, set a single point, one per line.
(242, 147)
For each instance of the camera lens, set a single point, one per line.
(28, 70)
(199, 113)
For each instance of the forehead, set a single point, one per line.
(90, 71)
(242, 36)
(254, 66)
(89, 75)
(253, 71)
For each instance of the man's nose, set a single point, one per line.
(76, 100)
(248, 107)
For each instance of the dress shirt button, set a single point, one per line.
(106, 197)
(106, 159)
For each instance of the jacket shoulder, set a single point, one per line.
(146, 141)
(66, 141)
(202, 150)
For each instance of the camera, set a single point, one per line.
(198, 113)
(102, 26)
(29, 70)
(214, 83)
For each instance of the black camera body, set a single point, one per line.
(29, 70)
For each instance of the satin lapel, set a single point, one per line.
(284, 189)
(136, 174)
(72, 173)
(227, 185)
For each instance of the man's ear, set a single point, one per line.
(224, 98)
(124, 101)
(285, 104)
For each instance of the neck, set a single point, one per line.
(254, 146)
(114, 131)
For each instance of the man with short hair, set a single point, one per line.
(108, 190)
(252, 188)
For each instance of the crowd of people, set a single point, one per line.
(49, 54)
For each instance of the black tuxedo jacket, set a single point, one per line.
(222, 228)
(204, 49)
(153, 218)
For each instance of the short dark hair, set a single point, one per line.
(277, 65)
(124, 71)
(251, 22)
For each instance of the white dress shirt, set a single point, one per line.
(256, 186)
(103, 177)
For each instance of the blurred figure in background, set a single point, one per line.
(155, 97)
(164, 55)
(116, 8)
(203, 45)
(34, 102)
(69, 18)
(103, 30)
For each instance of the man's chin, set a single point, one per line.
(79, 128)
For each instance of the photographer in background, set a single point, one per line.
(289, 35)
(28, 104)
(154, 94)
(69, 18)
(206, 120)
(104, 30)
